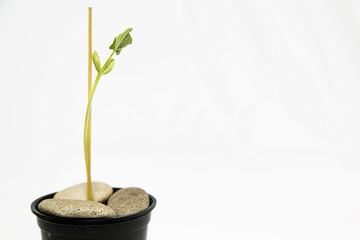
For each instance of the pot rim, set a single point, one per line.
(88, 221)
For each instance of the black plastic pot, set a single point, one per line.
(131, 227)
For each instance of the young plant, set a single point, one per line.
(120, 42)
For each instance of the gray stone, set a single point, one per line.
(75, 208)
(127, 201)
(101, 192)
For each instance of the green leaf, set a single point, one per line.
(112, 46)
(109, 67)
(96, 61)
(121, 41)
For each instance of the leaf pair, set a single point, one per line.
(107, 66)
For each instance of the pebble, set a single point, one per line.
(75, 208)
(101, 192)
(127, 201)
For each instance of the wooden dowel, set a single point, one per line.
(89, 90)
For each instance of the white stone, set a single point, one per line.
(127, 201)
(75, 208)
(101, 192)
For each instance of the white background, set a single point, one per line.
(240, 117)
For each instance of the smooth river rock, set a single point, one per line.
(75, 208)
(101, 192)
(127, 201)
